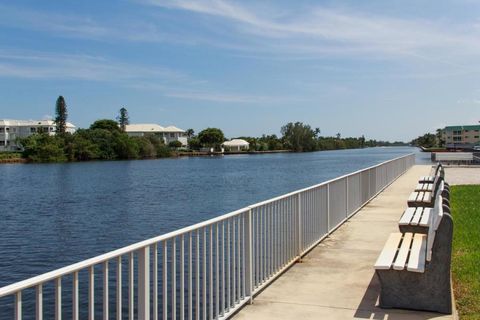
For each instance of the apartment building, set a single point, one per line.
(462, 136)
(12, 130)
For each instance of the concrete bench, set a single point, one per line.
(438, 171)
(427, 183)
(429, 186)
(426, 198)
(414, 268)
(418, 219)
(424, 187)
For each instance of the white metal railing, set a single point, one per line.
(205, 271)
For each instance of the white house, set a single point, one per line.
(168, 134)
(11, 130)
(236, 145)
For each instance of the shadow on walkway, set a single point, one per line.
(368, 307)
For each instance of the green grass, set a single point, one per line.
(465, 202)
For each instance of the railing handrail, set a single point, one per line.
(324, 183)
(48, 276)
(31, 282)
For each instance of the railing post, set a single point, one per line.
(18, 305)
(144, 283)
(39, 302)
(58, 298)
(328, 209)
(346, 198)
(249, 257)
(369, 184)
(300, 233)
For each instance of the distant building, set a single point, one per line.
(167, 134)
(12, 130)
(462, 136)
(236, 145)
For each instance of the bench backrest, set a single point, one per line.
(437, 168)
(435, 219)
(439, 171)
(438, 185)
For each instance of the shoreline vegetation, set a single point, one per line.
(431, 142)
(105, 140)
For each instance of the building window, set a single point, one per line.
(457, 138)
(455, 132)
(466, 130)
(2, 130)
(32, 129)
(2, 143)
(172, 135)
(7, 129)
(476, 137)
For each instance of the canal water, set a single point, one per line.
(53, 215)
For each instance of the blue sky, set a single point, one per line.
(386, 69)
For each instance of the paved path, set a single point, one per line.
(336, 279)
(462, 175)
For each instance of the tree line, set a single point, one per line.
(300, 137)
(430, 140)
(103, 140)
(106, 139)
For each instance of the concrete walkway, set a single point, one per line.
(462, 175)
(336, 280)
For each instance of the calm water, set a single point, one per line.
(56, 214)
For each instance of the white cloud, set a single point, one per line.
(262, 29)
(468, 101)
(320, 31)
(166, 82)
(45, 65)
(212, 95)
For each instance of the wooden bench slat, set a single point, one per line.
(421, 194)
(427, 179)
(403, 252)
(413, 197)
(407, 216)
(424, 187)
(427, 197)
(416, 216)
(425, 217)
(384, 261)
(416, 261)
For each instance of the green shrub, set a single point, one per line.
(175, 144)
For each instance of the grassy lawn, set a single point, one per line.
(465, 202)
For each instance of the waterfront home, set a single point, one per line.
(462, 136)
(167, 134)
(236, 145)
(12, 130)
